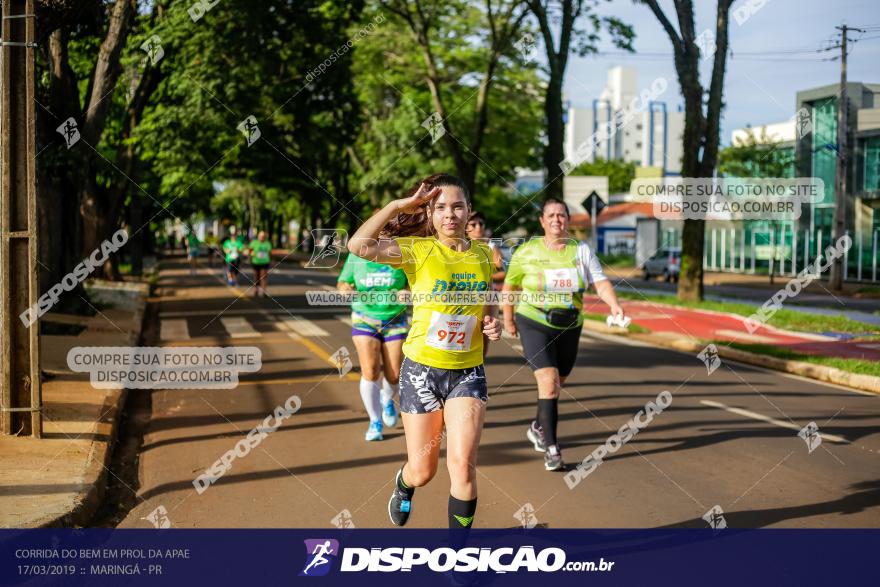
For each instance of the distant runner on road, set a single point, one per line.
(442, 379)
(378, 329)
(260, 252)
(560, 267)
(192, 250)
(232, 249)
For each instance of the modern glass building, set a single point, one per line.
(811, 136)
(817, 155)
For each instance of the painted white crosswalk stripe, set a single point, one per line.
(174, 330)
(303, 327)
(345, 320)
(239, 328)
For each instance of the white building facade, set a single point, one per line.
(650, 137)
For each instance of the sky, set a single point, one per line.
(759, 89)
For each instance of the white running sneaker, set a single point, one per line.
(374, 432)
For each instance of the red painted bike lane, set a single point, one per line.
(707, 325)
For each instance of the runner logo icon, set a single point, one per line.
(320, 554)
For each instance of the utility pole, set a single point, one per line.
(839, 219)
(20, 390)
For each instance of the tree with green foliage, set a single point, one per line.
(578, 28)
(259, 60)
(463, 52)
(620, 173)
(702, 117)
(83, 48)
(757, 156)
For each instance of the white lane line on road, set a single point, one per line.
(174, 330)
(345, 320)
(239, 327)
(304, 327)
(763, 418)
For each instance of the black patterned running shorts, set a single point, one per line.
(425, 389)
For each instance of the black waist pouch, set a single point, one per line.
(562, 317)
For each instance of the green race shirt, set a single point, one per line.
(233, 249)
(370, 276)
(261, 252)
(537, 269)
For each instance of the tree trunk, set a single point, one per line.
(554, 151)
(690, 278)
(99, 223)
(136, 244)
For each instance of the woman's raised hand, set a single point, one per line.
(412, 204)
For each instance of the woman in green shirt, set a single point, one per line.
(379, 325)
(260, 252)
(553, 272)
(232, 250)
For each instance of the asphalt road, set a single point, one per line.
(728, 439)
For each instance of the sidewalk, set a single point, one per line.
(58, 480)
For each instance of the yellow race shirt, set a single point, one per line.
(445, 336)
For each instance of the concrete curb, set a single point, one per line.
(869, 383)
(87, 502)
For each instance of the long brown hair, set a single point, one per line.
(419, 223)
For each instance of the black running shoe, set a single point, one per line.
(553, 458)
(400, 504)
(536, 437)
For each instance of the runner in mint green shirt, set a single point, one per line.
(378, 328)
(559, 268)
(260, 251)
(232, 249)
(192, 251)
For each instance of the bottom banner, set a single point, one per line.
(437, 557)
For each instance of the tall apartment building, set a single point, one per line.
(650, 136)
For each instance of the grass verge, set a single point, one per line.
(850, 365)
(785, 319)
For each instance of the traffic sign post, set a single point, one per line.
(594, 206)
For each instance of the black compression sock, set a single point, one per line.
(461, 518)
(461, 513)
(403, 486)
(548, 416)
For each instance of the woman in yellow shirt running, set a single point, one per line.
(442, 381)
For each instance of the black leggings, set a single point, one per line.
(544, 346)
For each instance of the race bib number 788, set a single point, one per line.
(561, 280)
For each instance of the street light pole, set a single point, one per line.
(20, 390)
(839, 219)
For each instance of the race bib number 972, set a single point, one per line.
(451, 332)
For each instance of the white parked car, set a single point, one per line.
(665, 262)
